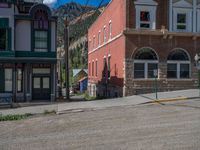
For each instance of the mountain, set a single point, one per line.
(80, 19)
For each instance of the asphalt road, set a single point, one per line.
(173, 126)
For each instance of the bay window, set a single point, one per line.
(5, 34)
(41, 31)
(41, 41)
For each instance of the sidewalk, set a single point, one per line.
(102, 104)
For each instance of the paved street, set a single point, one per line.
(173, 126)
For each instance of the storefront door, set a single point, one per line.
(41, 88)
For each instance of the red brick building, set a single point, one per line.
(135, 41)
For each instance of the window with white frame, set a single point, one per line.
(181, 16)
(104, 34)
(181, 21)
(93, 68)
(145, 14)
(41, 31)
(145, 63)
(178, 65)
(96, 67)
(8, 80)
(99, 38)
(110, 30)
(94, 42)
(145, 21)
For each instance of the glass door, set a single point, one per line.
(41, 88)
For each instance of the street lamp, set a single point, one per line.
(197, 58)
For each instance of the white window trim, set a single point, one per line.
(94, 42)
(99, 38)
(96, 68)
(104, 34)
(110, 30)
(149, 7)
(188, 12)
(178, 64)
(146, 62)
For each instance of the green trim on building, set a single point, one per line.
(9, 40)
(23, 17)
(49, 37)
(27, 54)
(35, 54)
(4, 22)
(7, 54)
(2, 80)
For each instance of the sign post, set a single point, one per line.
(197, 61)
(155, 73)
(198, 69)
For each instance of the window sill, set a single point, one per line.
(142, 79)
(180, 79)
(160, 79)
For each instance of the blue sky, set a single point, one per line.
(56, 3)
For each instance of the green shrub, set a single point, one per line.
(14, 117)
(88, 97)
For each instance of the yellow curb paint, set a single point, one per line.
(170, 100)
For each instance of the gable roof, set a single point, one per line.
(77, 71)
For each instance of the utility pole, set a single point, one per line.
(66, 48)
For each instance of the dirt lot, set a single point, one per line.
(174, 126)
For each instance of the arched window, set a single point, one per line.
(41, 19)
(178, 64)
(145, 63)
(40, 14)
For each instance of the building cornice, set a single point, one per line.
(163, 32)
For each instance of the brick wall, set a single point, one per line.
(161, 14)
(162, 47)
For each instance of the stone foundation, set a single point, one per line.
(140, 86)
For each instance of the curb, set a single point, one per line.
(170, 100)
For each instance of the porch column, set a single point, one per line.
(53, 82)
(14, 80)
(28, 83)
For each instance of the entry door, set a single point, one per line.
(41, 88)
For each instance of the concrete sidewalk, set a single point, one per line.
(102, 104)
